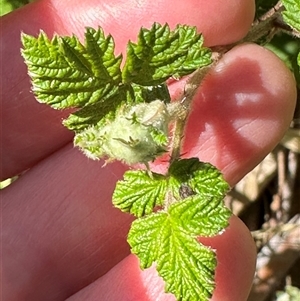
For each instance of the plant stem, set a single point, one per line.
(177, 139)
(181, 108)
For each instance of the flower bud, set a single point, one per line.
(137, 134)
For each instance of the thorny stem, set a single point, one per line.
(265, 26)
(181, 108)
(177, 139)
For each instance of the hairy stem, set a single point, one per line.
(181, 108)
(177, 139)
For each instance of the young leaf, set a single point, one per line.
(201, 179)
(169, 237)
(139, 193)
(66, 73)
(292, 13)
(97, 114)
(161, 53)
(169, 240)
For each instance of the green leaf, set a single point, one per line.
(10, 5)
(139, 193)
(203, 178)
(186, 266)
(66, 73)
(201, 215)
(292, 13)
(98, 113)
(183, 169)
(208, 180)
(169, 240)
(169, 236)
(161, 53)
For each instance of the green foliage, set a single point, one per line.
(186, 265)
(161, 53)
(169, 236)
(66, 73)
(139, 193)
(126, 114)
(292, 13)
(291, 293)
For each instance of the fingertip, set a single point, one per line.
(236, 255)
(242, 110)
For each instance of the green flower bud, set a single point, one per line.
(137, 135)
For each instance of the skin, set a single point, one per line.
(62, 239)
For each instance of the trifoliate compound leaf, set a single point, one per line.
(169, 240)
(161, 53)
(66, 73)
(292, 13)
(139, 193)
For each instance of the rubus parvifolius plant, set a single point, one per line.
(124, 112)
